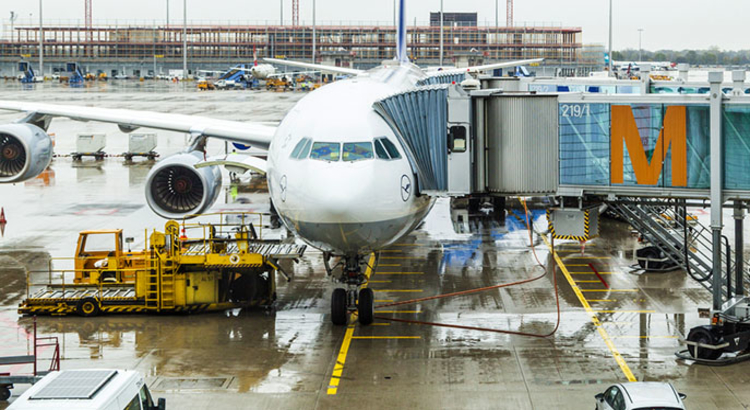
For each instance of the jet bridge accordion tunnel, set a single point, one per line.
(484, 142)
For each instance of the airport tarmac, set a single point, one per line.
(623, 326)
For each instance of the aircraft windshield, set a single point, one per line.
(383, 145)
(356, 151)
(325, 151)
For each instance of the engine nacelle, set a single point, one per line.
(25, 152)
(175, 188)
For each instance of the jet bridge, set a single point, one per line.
(636, 153)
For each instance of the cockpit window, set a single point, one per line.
(356, 151)
(325, 151)
(379, 150)
(387, 147)
(301, 149)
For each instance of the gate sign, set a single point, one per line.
(673, 135)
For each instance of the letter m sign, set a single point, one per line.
(673, 134)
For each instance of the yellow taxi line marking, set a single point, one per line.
(399, 290)
(379, 281)
(401, 257)
(609, 290)
(400, 273)
(338, 368)
(383, 300)
(590, 257)
(392, 251)
(387, 337)
(601, 300)
(380, 324)
(588, 281)
(576, 264)
(623, 311)
(399, 311)
(594, 319)
(391, 265)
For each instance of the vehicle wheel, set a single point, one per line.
(650, 252)
(338, 307)
(4, 393)
(366, 306)
(87, 307)
(703, 335)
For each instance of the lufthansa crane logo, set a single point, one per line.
(282, 187)
(405, 188)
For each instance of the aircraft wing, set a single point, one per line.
(253, 134)
(316, 67)
(486, 67)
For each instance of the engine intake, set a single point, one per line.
(175, 188)
(25, 152)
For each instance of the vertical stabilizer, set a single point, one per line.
(402, 54)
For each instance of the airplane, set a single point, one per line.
(338, 177)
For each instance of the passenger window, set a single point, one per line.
(325, 151)
(457, 139)
(134, 404)
(391, 148)
(380, 151)
(356, 151)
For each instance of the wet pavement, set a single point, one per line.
(292, 357)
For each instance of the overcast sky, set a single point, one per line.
(667, 24)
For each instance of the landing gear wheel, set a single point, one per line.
(88, 307)
(338, 307)
(366, 306)
(703, 335)
(4, 393)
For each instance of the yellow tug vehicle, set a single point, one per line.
(189, 267)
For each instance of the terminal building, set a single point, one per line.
(139, 49)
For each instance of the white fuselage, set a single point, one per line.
(340, 206)
(262, 71)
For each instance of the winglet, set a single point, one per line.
(402, 54)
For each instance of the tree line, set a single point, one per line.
(713, 56)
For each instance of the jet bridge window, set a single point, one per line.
(356, 151)
(386, 149)
(457, 138)
(302, 149)
(325, 151)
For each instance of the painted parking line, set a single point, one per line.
(379, 281)
(383, 300)
(389, 265)
(601, 300)
(593, 316)
(392, 251)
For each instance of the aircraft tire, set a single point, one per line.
(338, 307)
(366, 306)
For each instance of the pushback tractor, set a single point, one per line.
(189, 267)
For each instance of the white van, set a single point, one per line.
(89, 389)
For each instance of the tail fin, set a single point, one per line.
(402, 54)
(255, 57)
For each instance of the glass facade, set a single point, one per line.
(654, 145)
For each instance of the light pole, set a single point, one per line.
(184, 39)
(610, 38)
(640, 46)
(313, 34)
(281, 12)
(167, 13)
(41, 42)
(441, 33)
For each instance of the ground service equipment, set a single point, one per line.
(189, 267)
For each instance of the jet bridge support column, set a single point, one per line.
(739, 216)
(715, 78)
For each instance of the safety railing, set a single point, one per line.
(211, 228)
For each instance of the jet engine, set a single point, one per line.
(175, 188)
(25, 152)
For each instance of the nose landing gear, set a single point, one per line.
(352, 298)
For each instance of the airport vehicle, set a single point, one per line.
(337, 174)
(224, 265)
(204, 85)
(100, 389)
(27, 73)
(640, 395)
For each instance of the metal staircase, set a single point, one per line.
(665, 228)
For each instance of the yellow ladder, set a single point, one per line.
(152, 285)
(167, 287)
